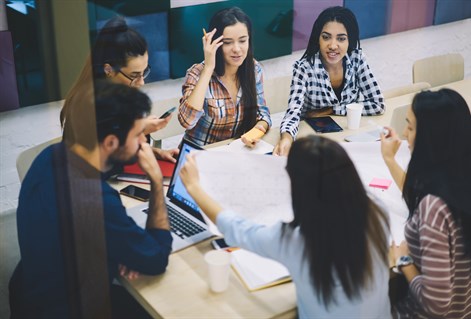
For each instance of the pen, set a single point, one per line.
(382, 129)
(204, 32)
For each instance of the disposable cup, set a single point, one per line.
(219, 262)
(354, 115)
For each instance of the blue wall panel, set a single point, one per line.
(452, 10)
(371, 15)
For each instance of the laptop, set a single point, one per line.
(187, 224)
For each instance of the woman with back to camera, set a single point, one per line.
(436, 256)
(223, 96)
(119, 54)
(332, 73)
(335, 250)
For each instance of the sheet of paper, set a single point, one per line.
(370, 164)
(237, 146)
(252, 185)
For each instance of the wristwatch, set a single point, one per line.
(401, 262)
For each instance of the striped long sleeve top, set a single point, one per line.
(436, 243)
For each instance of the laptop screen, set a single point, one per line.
(177, 192)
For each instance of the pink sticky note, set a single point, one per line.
(382, 183)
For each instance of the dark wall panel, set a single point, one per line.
(272, 30)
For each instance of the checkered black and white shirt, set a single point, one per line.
(311, 90)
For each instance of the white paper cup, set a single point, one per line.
(219, 262)
(354, 115)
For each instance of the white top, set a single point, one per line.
(267, 241)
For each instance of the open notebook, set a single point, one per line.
(257, 272)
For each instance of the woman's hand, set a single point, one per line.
(251, 138)
(153, 123)
(389, 144)
(166, 155)
(284, 145)
(210, 47)
(189, 174)
(148, 163)
(401, 250)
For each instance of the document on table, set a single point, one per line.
(238, 146)
(369, 163)
(252, 185)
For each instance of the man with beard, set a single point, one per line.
(74, 234)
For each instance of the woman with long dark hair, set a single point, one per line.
(332, 73)
(336, 250)
(223, 96)
(436, 256)
(120, 55)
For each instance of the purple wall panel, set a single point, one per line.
(305, 13)
(8, 89)
(410, 14)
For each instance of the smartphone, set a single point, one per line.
(168, 112)
(219, 244)
(136, 192)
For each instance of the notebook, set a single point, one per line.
(134, 174)
(257, 272)
(186, 220)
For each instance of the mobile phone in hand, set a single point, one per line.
(219, 243)
(136, 193)
(168, 112)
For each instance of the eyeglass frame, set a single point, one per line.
(144, 75)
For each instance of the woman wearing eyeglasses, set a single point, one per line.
(120, 54)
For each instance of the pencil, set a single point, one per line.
(204, 32)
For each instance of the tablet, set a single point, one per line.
(323, 124)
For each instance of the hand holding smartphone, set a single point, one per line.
(168, 112)
(136, 193)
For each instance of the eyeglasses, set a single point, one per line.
(138, 77)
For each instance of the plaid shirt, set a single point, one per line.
(220, 117)
(311, 90)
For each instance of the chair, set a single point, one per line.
(26, 158)
(438, 70)
(406, 89)
(276, 91)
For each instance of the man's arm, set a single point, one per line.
(157, 214)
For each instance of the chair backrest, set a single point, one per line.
(407, 89)
(276, 92)
(398, 119)
(438, 70)
(26, 158)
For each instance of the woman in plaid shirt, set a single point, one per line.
(223, 96)
(332, 73)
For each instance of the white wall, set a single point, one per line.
(391, 58)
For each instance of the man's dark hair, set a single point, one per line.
(107, 108)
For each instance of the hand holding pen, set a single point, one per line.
(389, 144)
(210, 47)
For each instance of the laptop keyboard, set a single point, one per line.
(181, 225)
